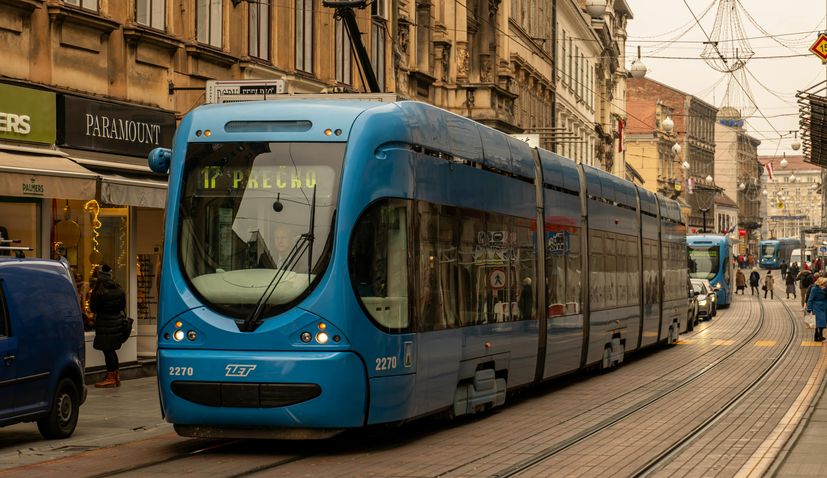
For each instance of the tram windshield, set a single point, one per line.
(768, 250)
(704, 261)
(245, 215)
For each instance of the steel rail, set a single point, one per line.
(667, 455)
(563, 445)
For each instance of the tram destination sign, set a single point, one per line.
(217, 89)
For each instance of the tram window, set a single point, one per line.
(379, 262)
(632, 271)
(525, 261)
(574, 279)
(596, 272)
(610, 275)
(556, 272)
(429, 298)
(448, 263)
(471, 224)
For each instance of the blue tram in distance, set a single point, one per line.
(711, 258)
(773, 251)
(337, 263)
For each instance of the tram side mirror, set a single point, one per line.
(159, 159)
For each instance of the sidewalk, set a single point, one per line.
(110, 416)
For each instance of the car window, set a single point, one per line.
(4, 313)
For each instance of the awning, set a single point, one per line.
(125, 180)
(144, 192)
(43, 173)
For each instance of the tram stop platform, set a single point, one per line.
(131, 415)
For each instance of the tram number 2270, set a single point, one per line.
(181, 371)
(386, 363)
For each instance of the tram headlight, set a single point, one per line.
(306, 337)
(178, 335)
(191, 335)
(322, 337)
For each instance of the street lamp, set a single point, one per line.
(764, 192)
(703, 210)
(792, 177)
(709, 178)
(668, 125)
(676, 149)
(742, 186)
(784, 161)
(685, 165)
(596, 8)
(638, 69)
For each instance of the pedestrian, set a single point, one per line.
(769, 282)
(740, 281)
(817, 303)
(754, 278)
(794, 270)
(526, 302)
(789, 281)
(783, 269)
(805, 279)
(108, 302)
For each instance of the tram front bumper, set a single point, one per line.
(262, 390)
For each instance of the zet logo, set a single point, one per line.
(238, 370)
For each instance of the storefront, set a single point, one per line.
(123, 226)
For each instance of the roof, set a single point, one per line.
(724, 200)
(794, 163)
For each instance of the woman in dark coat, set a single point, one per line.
(108, 302)
(754, 278)
(817, 303)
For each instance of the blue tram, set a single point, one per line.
(710, 257)
(331, 264)
(773, 251)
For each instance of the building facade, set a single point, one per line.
(738, 173)
(101, 82)
(693, 120)
(793, 196)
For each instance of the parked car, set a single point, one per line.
(41, 346)
(713, 296)
(691, 306)
(704, 297)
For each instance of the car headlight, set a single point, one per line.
(702, 302)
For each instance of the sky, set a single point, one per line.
(657, 27)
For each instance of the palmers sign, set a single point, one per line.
(112, 127)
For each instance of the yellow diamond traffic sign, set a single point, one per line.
(819, 48)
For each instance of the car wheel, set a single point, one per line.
(63, 416)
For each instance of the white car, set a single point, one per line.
(705, 295)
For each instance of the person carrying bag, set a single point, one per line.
(108, 301)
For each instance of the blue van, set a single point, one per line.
(41, 346)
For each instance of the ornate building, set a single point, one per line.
(738, 173)
(693, 122)
(793, 198)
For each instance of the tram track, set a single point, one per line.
(580, 437)
(666, 456)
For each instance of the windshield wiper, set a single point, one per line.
(304, 243)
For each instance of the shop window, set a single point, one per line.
(260, 30)
(151, 13)
(20, 228)
(85, 4)
(88, 235)
(208, 22)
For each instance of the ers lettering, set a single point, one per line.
(12, 123)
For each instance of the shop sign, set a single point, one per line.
(27, 114)
(113, 128)
(32, 188)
